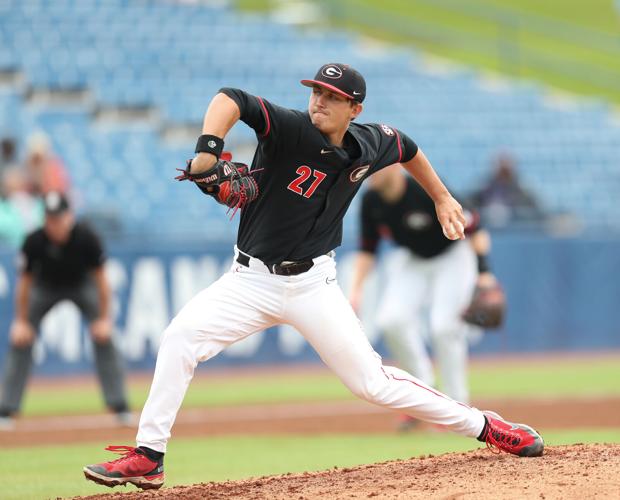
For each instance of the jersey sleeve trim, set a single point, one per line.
(400, 148)
(267, 120)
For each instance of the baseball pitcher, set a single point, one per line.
(307, 168)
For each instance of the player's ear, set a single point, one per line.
(356, 109)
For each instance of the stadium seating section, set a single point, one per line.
(171, 57)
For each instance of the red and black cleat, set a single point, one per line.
(518, 439)
(133, 467)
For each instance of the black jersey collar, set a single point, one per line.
(355, 151)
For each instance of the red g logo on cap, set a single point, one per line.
(332, 71)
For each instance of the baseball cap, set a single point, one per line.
(55, 203)
(341, 79)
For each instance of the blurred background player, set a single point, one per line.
(429, 280)
(64, 260)
(46, 171)
(8, 153)
(21, 211)
(503, 200)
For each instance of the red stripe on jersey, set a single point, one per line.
(400, 148)
(268, 128)
(439, 394)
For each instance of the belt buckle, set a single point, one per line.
(284, 268)
(292, 268)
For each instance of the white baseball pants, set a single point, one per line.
(246, 300)
(423, 300)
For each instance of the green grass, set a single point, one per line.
(254, 5)
(202, 392)
(568, 44)
(55, 471)
(599, 14)
(575, 378)
(534, 379)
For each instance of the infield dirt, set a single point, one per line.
(563, 472)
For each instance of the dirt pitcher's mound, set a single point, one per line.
(577, 471)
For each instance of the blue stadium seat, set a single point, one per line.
(142, 54)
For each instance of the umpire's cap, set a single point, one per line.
(55, 203)
(341, 79)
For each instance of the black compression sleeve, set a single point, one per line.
(369, 234)
(27, 254)
(483, 264)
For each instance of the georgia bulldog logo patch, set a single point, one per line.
(387, 130)
(332, 71)
(359, 173)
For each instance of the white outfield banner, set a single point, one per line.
(148, 290)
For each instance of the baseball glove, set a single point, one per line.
(230, 183)
(487, 308)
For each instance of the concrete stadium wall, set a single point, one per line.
(563, 296)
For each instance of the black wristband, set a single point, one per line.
(483, 264)
(210, 144)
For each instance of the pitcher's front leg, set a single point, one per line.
(220, 315)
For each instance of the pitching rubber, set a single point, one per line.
(141, 482)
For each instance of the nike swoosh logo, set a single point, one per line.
(325, 151)
(329, 280)
(357, 93)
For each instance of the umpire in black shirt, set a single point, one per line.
(64, 260)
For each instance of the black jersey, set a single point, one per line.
(306, 184)
(62, 265)
(410, 222)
